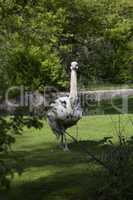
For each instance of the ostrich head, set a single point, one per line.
(74, 65)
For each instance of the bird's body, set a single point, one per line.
(65, 111)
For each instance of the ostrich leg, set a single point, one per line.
(61, 144)
(65, 144)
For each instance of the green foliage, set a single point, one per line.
(9, 127)
(120, 174)
(36, 71)
(38, 34)
(33, 37)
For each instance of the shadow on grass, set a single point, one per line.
(41, 157)
(76, 178)
(79, 185)
(71, 182)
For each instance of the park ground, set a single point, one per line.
(52, 174)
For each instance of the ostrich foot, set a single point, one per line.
(66, 148)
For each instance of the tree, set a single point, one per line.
(98, 34)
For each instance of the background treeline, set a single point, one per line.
(39, 39)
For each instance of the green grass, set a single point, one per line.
(51, 174)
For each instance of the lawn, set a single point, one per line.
(51, 174)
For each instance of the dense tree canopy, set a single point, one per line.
(40, 38)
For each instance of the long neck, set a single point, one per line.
(73, 85)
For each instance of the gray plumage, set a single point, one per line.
(65, 111)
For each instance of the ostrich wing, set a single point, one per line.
(63, 115)
(57, 115)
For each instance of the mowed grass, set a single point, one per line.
(52, 174)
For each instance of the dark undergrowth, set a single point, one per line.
(107, 177)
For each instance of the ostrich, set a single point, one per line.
(65, 111)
